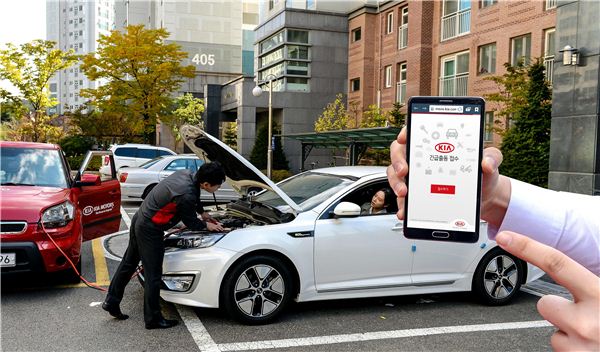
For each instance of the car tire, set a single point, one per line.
(256, 290)
(498, 277)
(147, 190)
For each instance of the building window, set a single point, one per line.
(297, 52)
(455, 75)
(390, 23)
(403, 29)
(310, 4)
(388, 76)
(271, 42)
(271, 4)
(549, 50)
(488, 135)
(456, 19)
(401, 84)
(550, 4)
(297, 84)
(487, 58)
(271, 57)
(520, 50)
(296, 36)
(355, 84)
(486, 3)
(356, 34)
(299, 68)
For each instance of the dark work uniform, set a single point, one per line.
(174, 199)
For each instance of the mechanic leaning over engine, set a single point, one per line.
(176, 198)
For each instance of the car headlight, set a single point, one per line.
(179, 283)
(195, 240)
(58, 215)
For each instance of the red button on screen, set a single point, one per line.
(443, 189)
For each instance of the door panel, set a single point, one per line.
(361, 253)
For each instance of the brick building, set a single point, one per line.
(400, 49)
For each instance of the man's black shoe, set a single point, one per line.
(162, 324)
(114, 310)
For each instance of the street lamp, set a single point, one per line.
(257, 91)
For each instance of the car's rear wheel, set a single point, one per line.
(147, 190)
(257, 290)
(498, 277)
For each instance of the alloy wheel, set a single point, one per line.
(500, 277)
(259, 290)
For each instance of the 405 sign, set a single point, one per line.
(204, 59)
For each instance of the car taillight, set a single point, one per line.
(123, 177)
(106, 160)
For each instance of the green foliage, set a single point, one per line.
(279, 175)
(187, 111)
(140, 70)
(334, 116)
(396, 117)
(76, 145)
(29, 68)
(106, 126)
(230, 134)
(258, 155)
(373, 117)
(526, 145)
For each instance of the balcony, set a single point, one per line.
(403, 36)
(550, 4)
(401, 92)
(549, 64)
(454, 85)
(456, 24)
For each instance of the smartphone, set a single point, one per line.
(444, 150)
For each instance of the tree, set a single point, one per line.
(230, 134)
(373, 117)
(187, 111)
(258, 155)
(141, 71)
(510, 97)
(334, 116)
(29, 68)
(396, 117)
(526, 145)
(106, 126)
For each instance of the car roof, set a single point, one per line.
(31, 145)
(354, 171)
(139, 145)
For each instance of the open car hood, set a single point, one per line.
(239, 171)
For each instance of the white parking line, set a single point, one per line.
(199, 333)
(379, 335)
(125, 217)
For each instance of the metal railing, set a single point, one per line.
(403, 36)
(549, 64)
(401, 92)
(456, 24)
(550, 4)
(454, 85)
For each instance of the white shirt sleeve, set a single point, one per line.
(566, 221)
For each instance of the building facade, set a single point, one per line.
(405, 48)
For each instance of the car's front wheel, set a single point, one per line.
(257, 290)
(498, 277)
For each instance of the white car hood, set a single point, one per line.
(239, 171)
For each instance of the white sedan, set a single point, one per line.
(136, 182)
(305, 239)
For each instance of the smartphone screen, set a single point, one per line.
(444, 151)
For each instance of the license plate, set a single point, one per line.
(8, 260)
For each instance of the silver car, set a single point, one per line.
(136, 182)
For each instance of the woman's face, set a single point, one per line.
(378, 200)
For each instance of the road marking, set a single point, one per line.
(199, 333)
(370, 336)
(125, 217)
(102, 278)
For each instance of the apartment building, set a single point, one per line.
(400, 49)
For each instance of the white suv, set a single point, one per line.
(131, 155)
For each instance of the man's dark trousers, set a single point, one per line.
(145, 243)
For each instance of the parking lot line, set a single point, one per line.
(199, 333)
(370, 336)
(102, 278)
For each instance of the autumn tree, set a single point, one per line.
(374, 116)
(230, 134)
(187, 110)
(29, 68)
(140, 72)
(334, 116)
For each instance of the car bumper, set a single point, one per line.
(208, 265)
(132, 191)
(34, 252)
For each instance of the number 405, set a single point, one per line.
(204, 59)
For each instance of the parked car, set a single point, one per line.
(41, 202)
(137, 182)
(304, 239)
(131, 155)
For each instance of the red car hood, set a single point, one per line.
(25, 203)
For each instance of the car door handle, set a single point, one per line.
(398, 227)
(112, 193)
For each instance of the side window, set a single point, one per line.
(177, 164)
(126, 152)
(163, 152)
(146, 153)
(199, 163)
(363, 197)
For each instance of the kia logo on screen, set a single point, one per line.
(459, 223)
(444, 147)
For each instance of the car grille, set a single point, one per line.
(12, 227)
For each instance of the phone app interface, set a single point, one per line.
(444, 157)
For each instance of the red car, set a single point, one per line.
(40, 199)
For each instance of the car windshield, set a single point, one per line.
(32, 167)
(308, 190)
(149, 163)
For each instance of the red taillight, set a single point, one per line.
(123, 177)
(106, 160)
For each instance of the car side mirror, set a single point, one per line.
(346, 210)
(89, 180)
